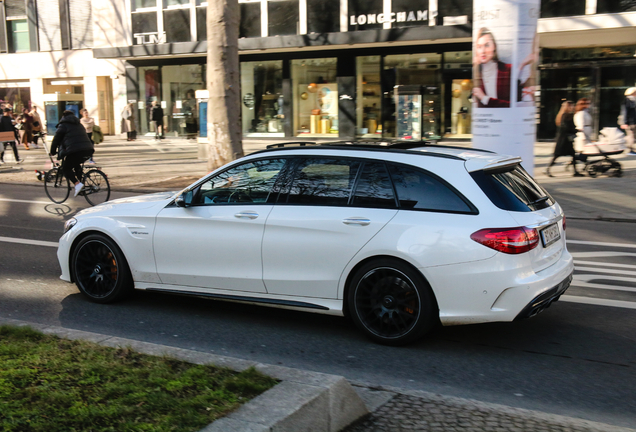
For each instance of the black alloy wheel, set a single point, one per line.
(391, 302)
(100, 270)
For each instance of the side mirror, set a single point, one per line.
(184, 200)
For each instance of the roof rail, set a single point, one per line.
(292, 143)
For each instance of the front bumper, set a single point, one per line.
(545, 299)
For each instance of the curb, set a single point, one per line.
(301, 401)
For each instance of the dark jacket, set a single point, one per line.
(157, 114)
(6, 124)
(565, 136)
(70, 137)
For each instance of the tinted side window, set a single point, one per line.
(513, 190)
(374, 187)
(250, 182)
(326, 182)
(418, 190)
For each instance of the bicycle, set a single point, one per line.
(58, 187)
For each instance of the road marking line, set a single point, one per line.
(591, 243)
(25, 201)
(602, 270)
(28, 242)
(605, 264)
(599, 302)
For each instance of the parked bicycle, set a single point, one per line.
(58, 187)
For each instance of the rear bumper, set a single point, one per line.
(544, 300)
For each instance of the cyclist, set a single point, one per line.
(74, 148)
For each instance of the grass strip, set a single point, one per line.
(52, 384)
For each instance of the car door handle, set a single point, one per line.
(356, 221)
(246, 215)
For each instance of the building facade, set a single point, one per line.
(309, 68)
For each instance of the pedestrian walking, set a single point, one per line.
(7, 128)
(627, 118)
(583, 123)
(156, 116)
(566, 131)
(89, 123)
(37, 126)
(25, 122)
(128, 122)
(73, 147)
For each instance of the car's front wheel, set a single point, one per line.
(391, 302)
(100, 269)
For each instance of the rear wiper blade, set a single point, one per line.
(540, 200)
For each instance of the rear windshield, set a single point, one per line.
(513, 189)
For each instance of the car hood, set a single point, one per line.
(132, 204)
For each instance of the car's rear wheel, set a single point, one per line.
(391, 302)
(100, 269)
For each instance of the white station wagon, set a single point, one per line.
(398, 237)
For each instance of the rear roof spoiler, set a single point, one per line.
(493, 165)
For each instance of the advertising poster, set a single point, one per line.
(505, 60)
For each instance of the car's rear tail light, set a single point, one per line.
(563, 222)
(508, 240)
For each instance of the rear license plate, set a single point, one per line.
(550, 234)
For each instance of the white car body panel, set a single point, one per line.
(305, 248)
(211, 246)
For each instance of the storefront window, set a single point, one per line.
(149, 91)
(369, 106)
(168, 3)
(177, 25)
(18, 36)
(413, 84)
(17, 98)
(282, 17)
(250, 19)
(558, 85)
(614, 81)
(179, 84)
(262, 98)
(323, 16)
(562, 8)
(315, 97)
(615, 6)
(457, 100)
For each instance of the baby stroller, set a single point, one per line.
(611, 141)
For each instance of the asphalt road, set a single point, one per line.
(574, 359)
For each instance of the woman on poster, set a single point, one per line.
(492, 76)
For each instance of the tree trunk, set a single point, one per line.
(224, 104)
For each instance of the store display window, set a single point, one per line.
(411, 75)
(315, 97)
(562, 8)
(461, 108)
(262, 98)
(369, 88)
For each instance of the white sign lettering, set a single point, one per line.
(392, 17)
(150, 38)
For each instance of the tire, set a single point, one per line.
(56, 185)
(592, 171)
(96, 187)
(391, 302)
(100, 270)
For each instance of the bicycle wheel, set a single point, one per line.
(96, 187)
(56, 186)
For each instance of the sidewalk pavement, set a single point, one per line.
(148, 166)
(145, 167)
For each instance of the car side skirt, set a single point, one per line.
(316, 305)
